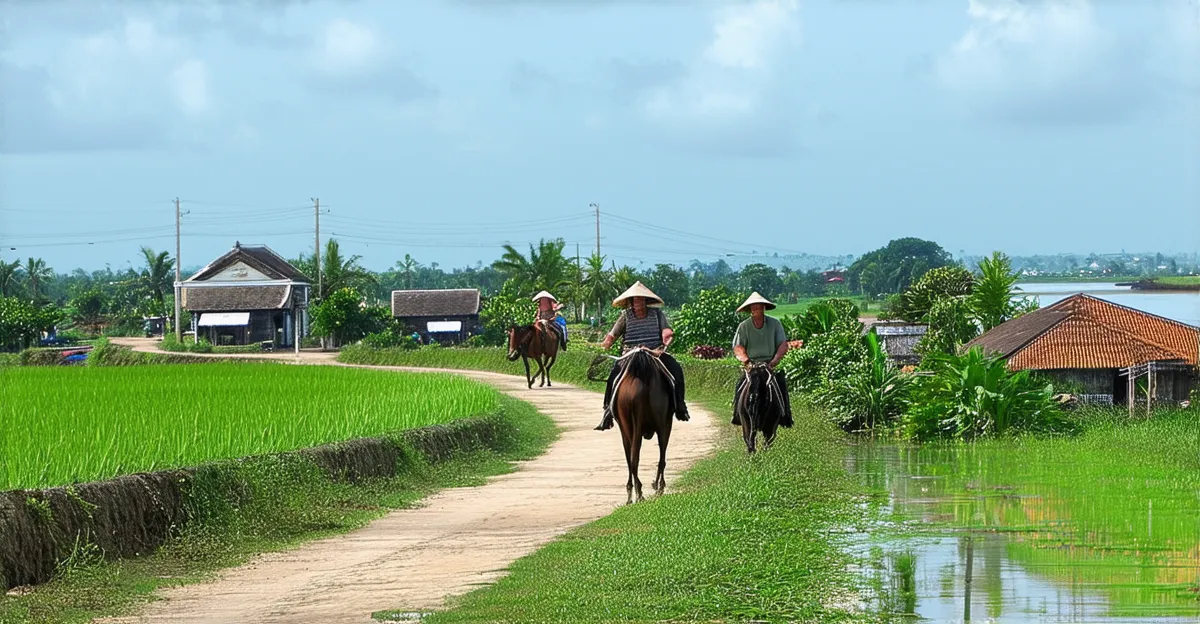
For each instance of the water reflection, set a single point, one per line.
(981, 539)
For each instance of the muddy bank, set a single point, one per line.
(1153, 285)
(132, 515)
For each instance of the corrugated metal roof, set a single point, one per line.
(1085, 332)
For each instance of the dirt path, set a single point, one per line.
(460, 538)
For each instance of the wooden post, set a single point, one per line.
(1131, 389)
(1149, 386)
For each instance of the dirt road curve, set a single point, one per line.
(416, 558)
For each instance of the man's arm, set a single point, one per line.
(617, 330)
(782, 349)
(668, 335)
(739, 351)
(779, 353)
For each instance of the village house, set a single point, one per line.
(1104, 349)
(899, 339)
(448, 316)
(249, 295)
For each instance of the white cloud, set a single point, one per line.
(351, 57)
(115, 89)
(730, 97)
(1044, 60)
(348, 47)
(190, 81)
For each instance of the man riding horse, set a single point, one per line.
(547, 316)
(642, 324)
(761, 339)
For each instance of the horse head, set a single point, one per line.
(518, 337)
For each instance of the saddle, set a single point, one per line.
(622, 364)
(774, 392)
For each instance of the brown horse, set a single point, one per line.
(534, 341)
(759, 406)
(642, 404)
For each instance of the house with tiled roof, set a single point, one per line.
(248, 295)
(448, 315)
(1096, 344)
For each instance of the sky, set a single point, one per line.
(445, 128)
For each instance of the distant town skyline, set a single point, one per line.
(701, 129)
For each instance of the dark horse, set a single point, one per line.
(537, 342)
(759, 406)
(642, 404)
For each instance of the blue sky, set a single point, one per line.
(443, 128)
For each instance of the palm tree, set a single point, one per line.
(37, 274)
(992, 297)
(157, 275)
(338, 272)
(408, 267)
(9, 277)
(546, 268)
(596, 283)
(623, 277)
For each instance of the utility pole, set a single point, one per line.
(178, 274)
(317, 241)
(597, 208)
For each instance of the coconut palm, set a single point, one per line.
(10, 273)
(992, 298)
(157, 276)
(596, 283)
(36, 275)
(408, 267)
(546, 268)
(338, 272)
(623, 277)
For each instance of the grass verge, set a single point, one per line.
(738, 539)
(286, 500)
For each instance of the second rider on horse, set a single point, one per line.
(547, 314)
(761, 339)
(642, 324)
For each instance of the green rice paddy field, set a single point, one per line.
(71, 425)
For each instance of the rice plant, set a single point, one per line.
(68, 425)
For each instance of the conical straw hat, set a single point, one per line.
(755, 298)
(545, 295)
(638, 290)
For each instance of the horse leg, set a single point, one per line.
(660, 482)
(769, 432)
(529, 379)
(549, 365)
(635, 452)
(748, 433)
(626, 440)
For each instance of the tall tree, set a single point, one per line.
(623, 277)
(546, 268)
(669, 282)
(158, 276)
(10, 278)
(338, 272)
(596, 284)
(36, 275)
(992, 297)
(762, 279)
(408, 267)
(902, 262)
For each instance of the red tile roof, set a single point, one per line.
(1082, 331)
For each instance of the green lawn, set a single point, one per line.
(866, 308)
(75, 424)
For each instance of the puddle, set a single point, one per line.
(981, 535)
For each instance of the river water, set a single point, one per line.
(1180, 306)
(992, 533)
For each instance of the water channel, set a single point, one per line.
(979, 535)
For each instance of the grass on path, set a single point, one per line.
(738, 539)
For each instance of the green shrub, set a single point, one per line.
(868, 394)
(951, 325)
(503, 310)
(974, 395)
(940, 283)
(711, 319)
(41, 357)
(390, 338)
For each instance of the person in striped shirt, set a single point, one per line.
(642, 324)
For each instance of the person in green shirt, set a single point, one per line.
(759, 339)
